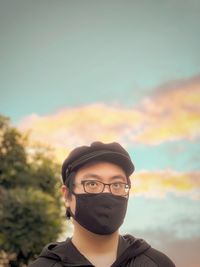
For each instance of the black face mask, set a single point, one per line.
(100, 213)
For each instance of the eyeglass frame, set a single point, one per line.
(104, 184)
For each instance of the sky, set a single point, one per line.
(72, 72)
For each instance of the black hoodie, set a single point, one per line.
(132, 252)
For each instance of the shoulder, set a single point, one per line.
(45, 262)
(159, 258)
(48, 257)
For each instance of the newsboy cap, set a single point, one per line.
(97, 151)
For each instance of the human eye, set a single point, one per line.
(117, 185)
(91, 183)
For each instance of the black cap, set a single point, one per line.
(112, 152)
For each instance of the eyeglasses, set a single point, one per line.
(96, 187)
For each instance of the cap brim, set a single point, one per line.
(109, 156)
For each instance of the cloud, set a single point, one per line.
(159, 183)
(183, 252)
(82, 125)
(172, 113)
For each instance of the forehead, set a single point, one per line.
(101, 170)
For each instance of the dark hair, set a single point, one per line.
(69, 182)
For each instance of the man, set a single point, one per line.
(96, 188)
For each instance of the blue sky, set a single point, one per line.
(68, 53)
(179, 156)
(129, 71)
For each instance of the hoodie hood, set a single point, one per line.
(65, 253)
(68, 255)
(129, 248)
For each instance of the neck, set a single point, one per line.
(96, 244)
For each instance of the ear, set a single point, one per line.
(65, 193)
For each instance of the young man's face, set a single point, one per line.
(104, 172)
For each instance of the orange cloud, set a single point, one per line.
(72, 127)
(159, 183)
(172, 113)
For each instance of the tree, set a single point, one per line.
(30, 206)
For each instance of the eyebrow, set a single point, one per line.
(95, 176)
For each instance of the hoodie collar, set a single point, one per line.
(66, 253)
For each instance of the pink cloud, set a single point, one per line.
(184, 252)
(173, 113)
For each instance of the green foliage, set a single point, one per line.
(30, 218)
(12, 155)
(29, 200)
